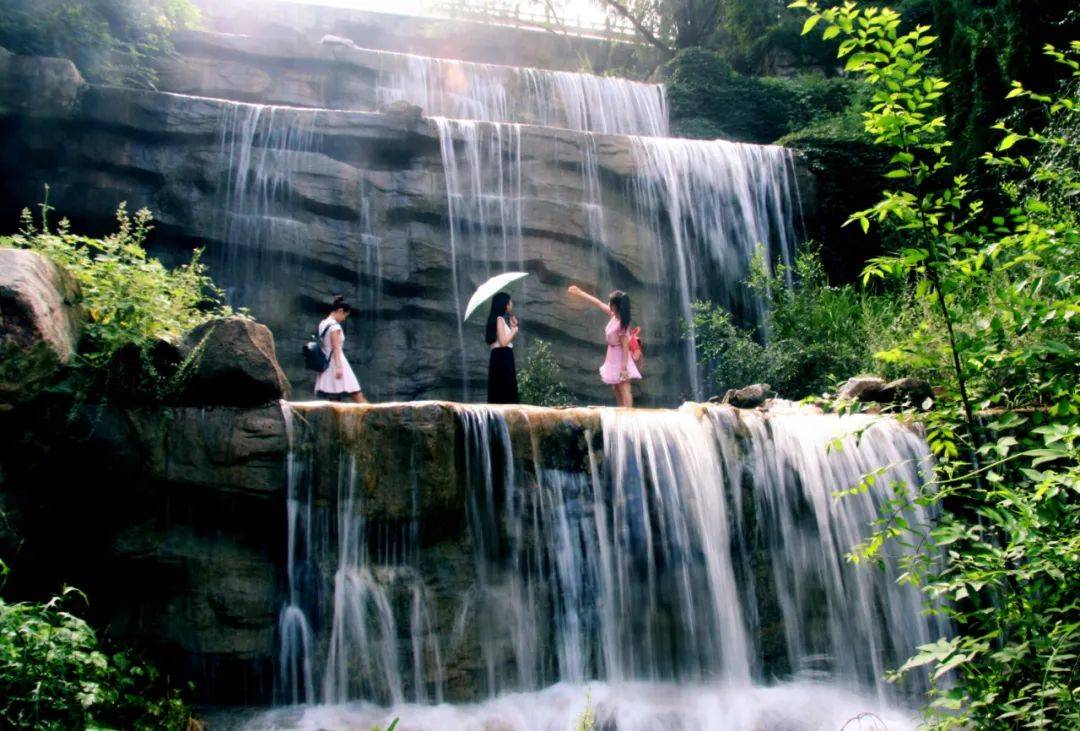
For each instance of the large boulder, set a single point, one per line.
(909, 391)
(863, 388)
(38, 85)
(902, 391)
(747, 397)
(39, 322)
(231, 362)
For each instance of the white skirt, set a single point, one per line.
(328, 382)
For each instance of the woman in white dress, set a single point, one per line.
(337, 382)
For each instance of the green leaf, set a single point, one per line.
(1010, 139)
(810, 23)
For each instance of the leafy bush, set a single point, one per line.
(540, 382)
(814, 334)
(132, 301)
(55, 674)
(709, 99)
(110, 41)
(1000, 557)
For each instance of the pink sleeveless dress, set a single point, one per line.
(609, 372)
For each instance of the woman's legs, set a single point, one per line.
(623, 395)
(358, 397)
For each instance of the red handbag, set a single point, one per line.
(634, 343)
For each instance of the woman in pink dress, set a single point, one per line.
(619, 368)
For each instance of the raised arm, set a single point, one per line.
(577, 292)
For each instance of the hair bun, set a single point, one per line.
(338, 299)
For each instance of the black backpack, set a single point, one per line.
(314, 358)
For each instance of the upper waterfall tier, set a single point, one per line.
(337, 74)
(405, 215)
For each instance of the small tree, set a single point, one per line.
(1001, 557)
(540, 382)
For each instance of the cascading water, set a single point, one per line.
(484, 207)
(720, 204)
(491, 93)
(674, 561)
(260, 147)
(698, 211)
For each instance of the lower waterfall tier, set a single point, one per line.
(434, 552)
(450, 552)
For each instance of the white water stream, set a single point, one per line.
(693, 569)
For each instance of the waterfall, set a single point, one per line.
(492, 93)
(484, 207)
(294, 631)
(702, 546)
(720, 204)
(260, 147)
(691, 215)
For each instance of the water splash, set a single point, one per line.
(792, 706)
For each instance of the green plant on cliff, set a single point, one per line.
(540, 381)
(814, 334)
(1000, 557)
(132, 302)
(110, 41)
(55, 673)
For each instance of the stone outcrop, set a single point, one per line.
(33, 86)
(902, 391)
(747, 397)
(170, 519)
(39, 322)
(231, 362)
(861, 388)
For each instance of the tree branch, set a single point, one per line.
(644, 32)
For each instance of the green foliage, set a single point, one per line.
(132, 302)
(1001, 557)
(709, 99)
(587, 720)
(110, 41)
(815, 334)
(55, 674)
(540, 382)
(984, 46)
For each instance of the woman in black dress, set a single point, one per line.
(501, 329)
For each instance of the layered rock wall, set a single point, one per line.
(361, 211)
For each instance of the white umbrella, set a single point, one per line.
(490, 288)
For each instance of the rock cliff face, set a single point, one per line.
(294, 205)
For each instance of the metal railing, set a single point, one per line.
(529, 15)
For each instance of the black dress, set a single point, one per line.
(502, 377)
